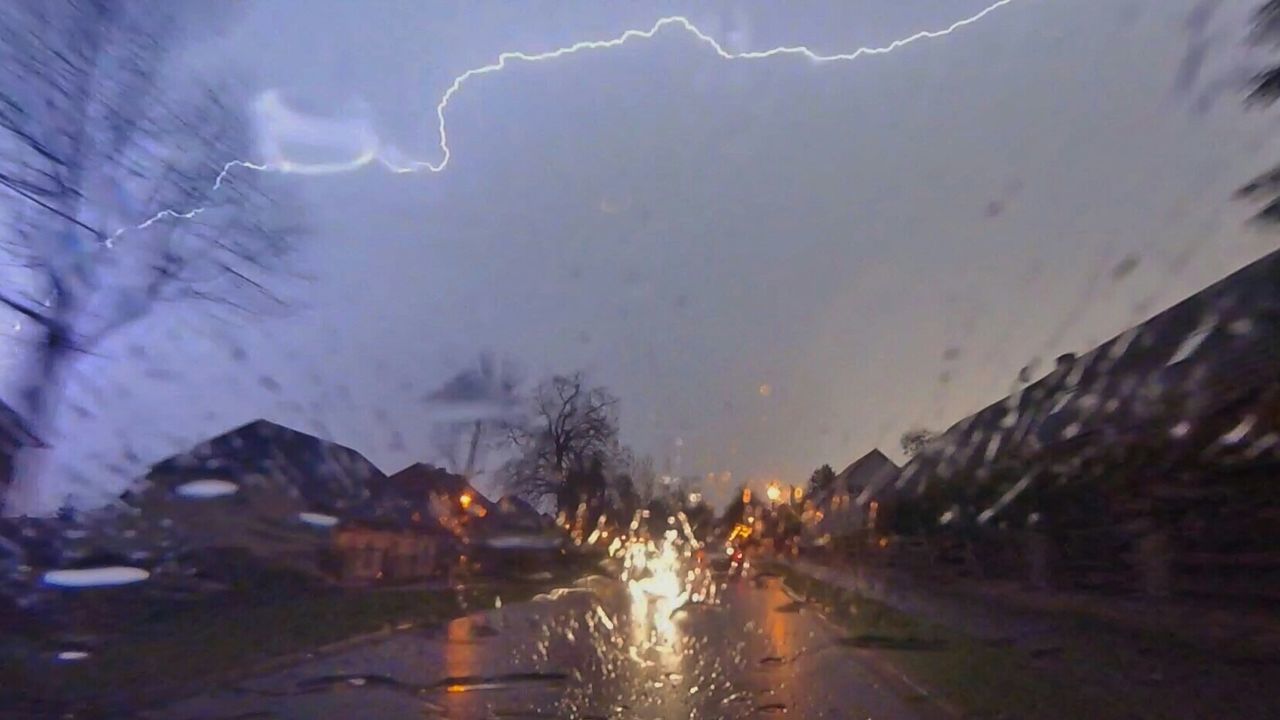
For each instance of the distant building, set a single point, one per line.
(857, 499)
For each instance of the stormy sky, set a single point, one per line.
(774, 264)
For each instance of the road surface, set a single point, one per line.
(600, 649)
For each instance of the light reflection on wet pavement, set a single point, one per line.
(592, 651)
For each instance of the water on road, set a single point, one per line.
(601, 649)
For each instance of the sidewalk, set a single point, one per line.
(1002, 610)
(972, 615)
(1178, 659)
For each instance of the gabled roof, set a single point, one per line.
(516, 512)
(512, 504)
(865, 471)
(867, 475)
(420, 478)
(1194, 364)
(326, 475)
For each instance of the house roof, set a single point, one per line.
(326, 475)
(863, 478)
(516, 512)
(512, 504)
(864, 471)
(1181, 373)
(421, 477)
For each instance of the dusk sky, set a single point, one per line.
(774, 263)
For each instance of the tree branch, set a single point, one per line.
(97, 234)
(23, 309)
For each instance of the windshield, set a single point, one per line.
(878, 359)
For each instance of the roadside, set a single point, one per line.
(181, 649)
(207, 643)
(1004, 609)
(990, 660)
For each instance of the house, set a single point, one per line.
(15, 435)
(274, 491)
(322, 475)
(423, 498)
(515, 539)
(381, 551)
(1165, 436)
(421, 493)
(517, 515)
(856, 499)
(1183, 380)
(294, 500)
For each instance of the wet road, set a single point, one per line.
(596, 650)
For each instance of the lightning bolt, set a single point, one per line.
(371, 155)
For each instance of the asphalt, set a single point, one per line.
(600, 649)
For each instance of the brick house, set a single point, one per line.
(371, 551)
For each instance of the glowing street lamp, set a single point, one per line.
(773, 492)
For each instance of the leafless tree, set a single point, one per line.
(95, 140)
(569, 442)
(1264, 90)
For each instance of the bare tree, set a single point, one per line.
(1264, 90)
(569, 443)
(93, 144)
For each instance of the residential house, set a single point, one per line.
(274, 491)
(423, 492)
(322, 475)
(1165, 436)
(516, 539)
(384, 551)
(515, 514)
(423, 498)
(857, 500)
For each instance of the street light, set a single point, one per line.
(773, 492)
